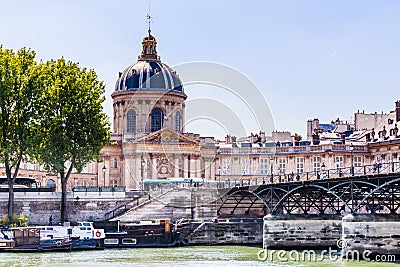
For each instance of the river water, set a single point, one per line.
(193, 256)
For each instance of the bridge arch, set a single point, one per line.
(303, 186)
(242, 193)
(374, 191)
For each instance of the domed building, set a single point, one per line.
(148, 95)
(148, 140)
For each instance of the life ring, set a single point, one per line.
(98, 234)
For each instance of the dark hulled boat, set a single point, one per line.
(157, 233)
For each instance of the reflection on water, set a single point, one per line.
(202, 256)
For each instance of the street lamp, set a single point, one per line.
(142, 164)
(271, 160)
(104, 174)
(219, 176)
(352, 159)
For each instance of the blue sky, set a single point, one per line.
(324, 59)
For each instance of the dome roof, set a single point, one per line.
(148, 72)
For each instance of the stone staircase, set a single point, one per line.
(174, 204)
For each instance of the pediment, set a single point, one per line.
(167, 136)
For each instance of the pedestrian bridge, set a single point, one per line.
(366, 190)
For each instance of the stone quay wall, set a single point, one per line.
(245, 232)
(39, 206)
(355, 236)
(301, 234)
(371, 238)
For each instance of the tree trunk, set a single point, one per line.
(10, 194)
(11, 180)
(64, 212)
(64, 180)
(10, 202)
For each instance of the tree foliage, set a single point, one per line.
(73, 127)
(19, 91)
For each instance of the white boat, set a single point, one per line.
(83, 236)
(27, 239)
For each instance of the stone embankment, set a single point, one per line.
(368, 238)
(362, 236)
(224, 232)
(39, 206)
(174, 204)
(301, 233)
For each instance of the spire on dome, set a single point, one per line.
(149, 44)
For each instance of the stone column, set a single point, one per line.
(212, 168)
(154, 167)
(192, 165)
(206, 168)
(176, 166)
(121, 118)
(135, 171)
(198, 167)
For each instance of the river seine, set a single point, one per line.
(204, 256)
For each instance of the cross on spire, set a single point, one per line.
(148, 18)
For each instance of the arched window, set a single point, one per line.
(178, 121)
(115, 163)
(156, 119)
(131, 121)
(50, 183)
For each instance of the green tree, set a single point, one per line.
(18, 94)
(73, 127)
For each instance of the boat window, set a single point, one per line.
(69, 231)
(111, 241)
(50, 228)
(129, 241)
(86, 224)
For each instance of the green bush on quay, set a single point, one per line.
(16, 220)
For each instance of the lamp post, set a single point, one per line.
(271, 161)
(142, 164)
(352, 159)
(104, 175)
(219, 176)
(323, 170)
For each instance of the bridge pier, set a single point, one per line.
(359, 237)
(301, 232)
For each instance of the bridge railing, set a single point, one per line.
(374, 169)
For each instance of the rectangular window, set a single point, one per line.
(282, 165)
(316, 164)
(357, 161)
(299, 165)
(339, 161)
(111, 241)
(264, 166)
(129, 241)
(115, 163)
(226, 165)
